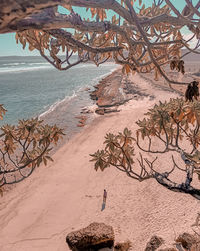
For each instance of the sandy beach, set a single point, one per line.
(67, 195)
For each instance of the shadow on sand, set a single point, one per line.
(103, 206)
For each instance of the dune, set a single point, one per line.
(67, 195)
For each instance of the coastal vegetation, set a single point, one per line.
(141, 39)
(171, 128)
(24, 147)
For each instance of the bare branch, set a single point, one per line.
(195, 10)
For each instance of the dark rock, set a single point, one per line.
(122, 246)
(93, 96)
(186, 240)
(80, 125)
(85, 110)
(91, 238)
(110, 110)
(100, 111)
(82, 120)
(154, 243)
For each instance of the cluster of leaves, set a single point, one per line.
(100, 41)
(169, 122)
(162, 55)
(101, 13)
(178, 65)
(118, 151)
(175, 119)
(50, 47)
(24, 147)
(133, 54)
(155, 10)
(37, 39)
(43, 42)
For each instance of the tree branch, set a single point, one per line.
(66, 36)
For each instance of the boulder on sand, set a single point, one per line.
(92, 237)
(154, 243)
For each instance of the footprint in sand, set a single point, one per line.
(88, 196)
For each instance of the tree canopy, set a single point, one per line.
(140, 39)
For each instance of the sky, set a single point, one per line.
(8, 46)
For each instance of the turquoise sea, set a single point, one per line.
(30, 87)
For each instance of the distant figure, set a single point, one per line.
(104, 200)
(104, 196)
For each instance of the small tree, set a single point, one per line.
(168, 127)
(139, 38)
(24, 147)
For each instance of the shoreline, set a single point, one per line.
(67, 194)
(30, 94)
(111, 93)
(78, 108)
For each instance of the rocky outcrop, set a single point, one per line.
(82, 120)
(184, 242)
(102, 111)
(154, 243)
(109, 90)
(99, 236)
(86, 110)
(123, 246)
(112, 90)
(187, 241)
(93, 237)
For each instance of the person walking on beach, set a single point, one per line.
(104, 196)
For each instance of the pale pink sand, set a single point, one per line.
(67, 195)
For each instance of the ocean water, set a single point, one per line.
(30, 87)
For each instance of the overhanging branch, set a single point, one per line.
(66, 36)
